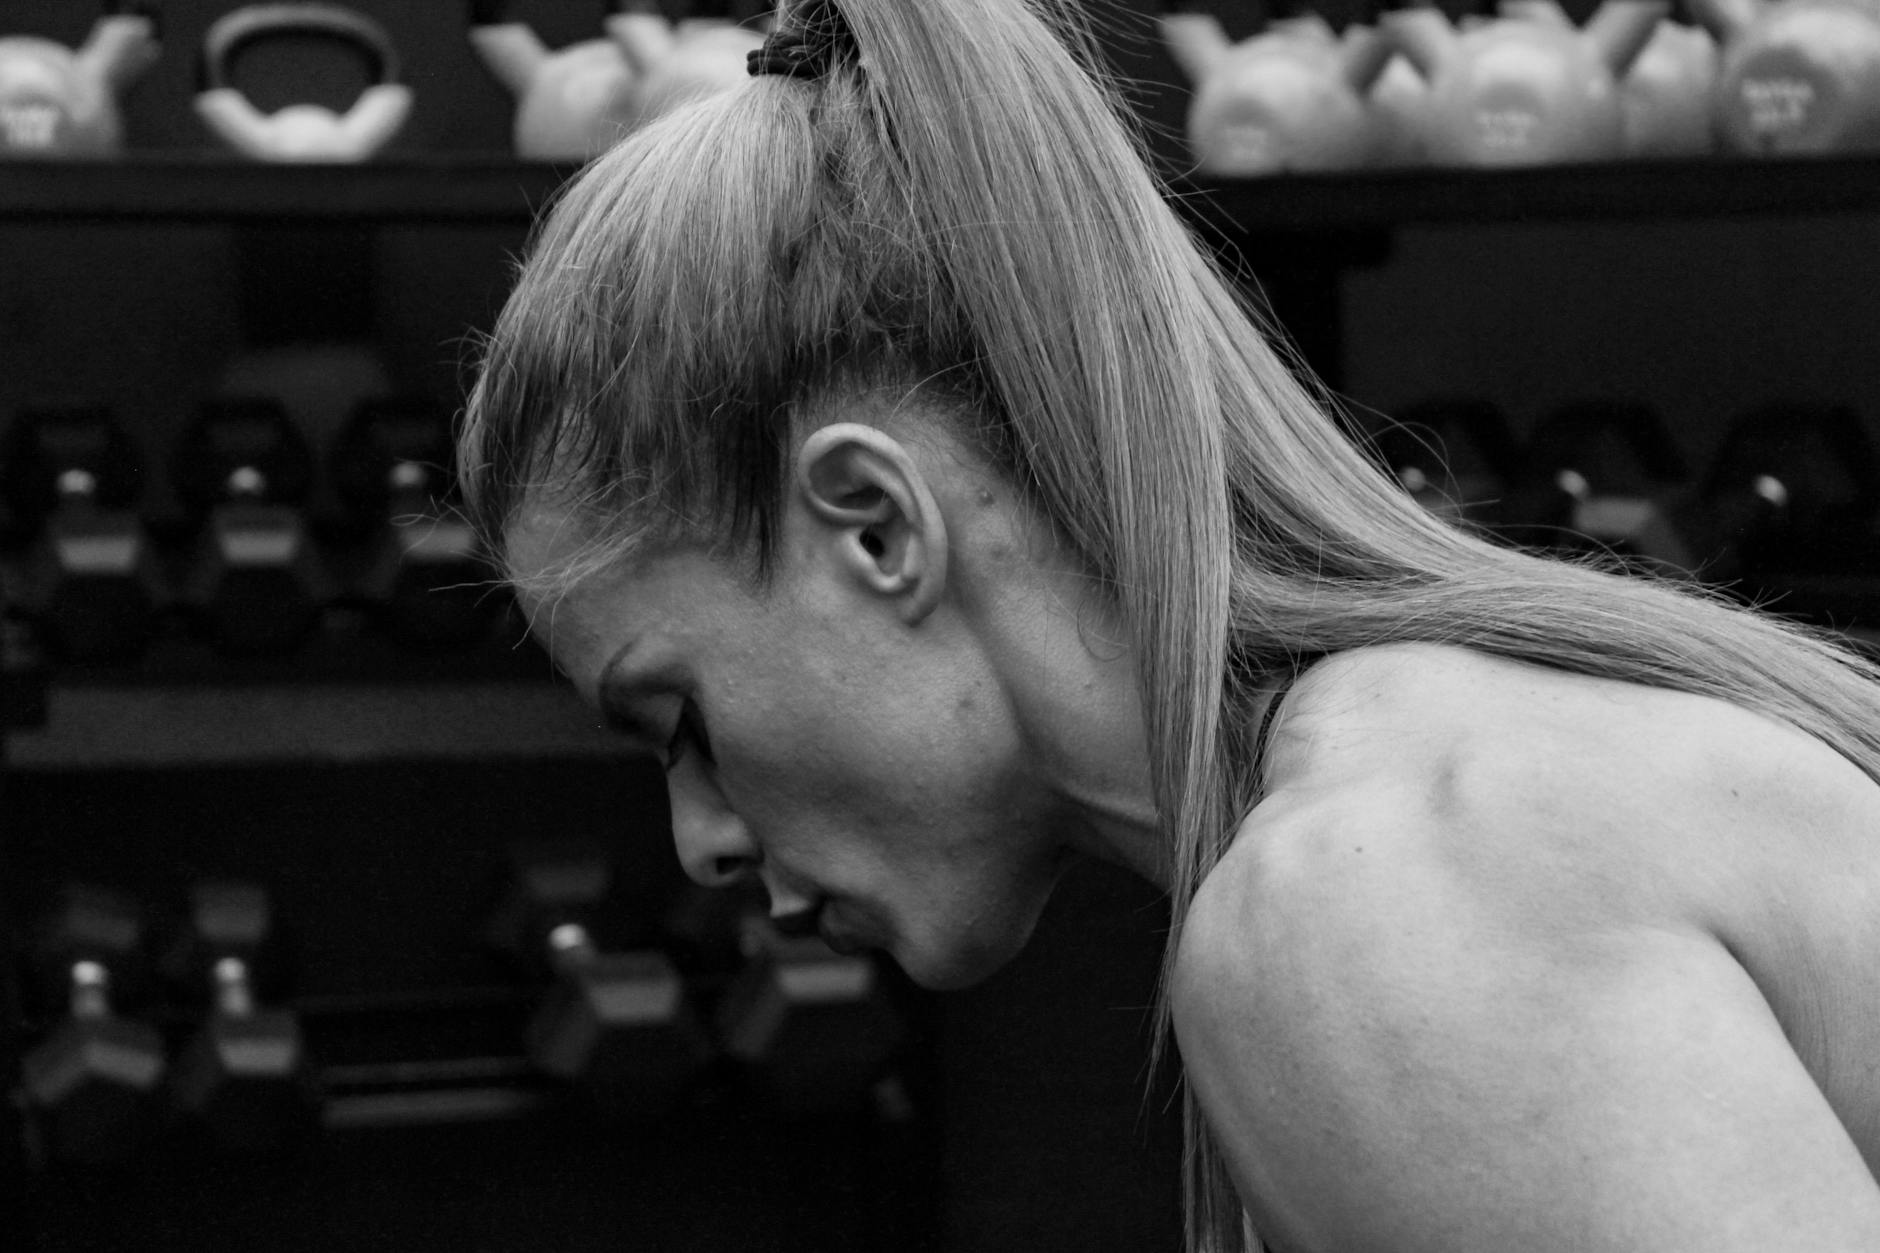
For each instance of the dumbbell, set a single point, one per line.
(1606, 475)
(617, 1026)
(244, 1080)
(256, 584)
(23, 676)
(813, 1030)
(422, 572)
(1792, 488)
(1456, 455)
(73, 477)
(93, 1085)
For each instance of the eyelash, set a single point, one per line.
(689, 733)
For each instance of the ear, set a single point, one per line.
(886, 525)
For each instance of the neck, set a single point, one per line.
(1074, 686)
(1067, 669)
(1117, 825)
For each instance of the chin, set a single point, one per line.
(946, 976)
(944, 950)
(941, 966)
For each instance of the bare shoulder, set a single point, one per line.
(1556, 804)
(1467, 978)
(1429, 705)
(1543, 770)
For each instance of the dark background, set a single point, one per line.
(1050, 1134)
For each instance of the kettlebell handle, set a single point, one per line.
(236, 30)
(146, 9)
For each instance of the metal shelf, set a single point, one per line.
(210, 188)
(106, 727)
(1613, 192)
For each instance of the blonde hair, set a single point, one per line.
(958, 203)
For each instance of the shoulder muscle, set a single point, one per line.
(1395, 1056)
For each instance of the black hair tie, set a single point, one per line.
(806, 48)
(788, 53)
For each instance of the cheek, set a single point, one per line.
(785, 768)
(787, 754)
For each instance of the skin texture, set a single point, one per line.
(1512, 959)
(910, 730)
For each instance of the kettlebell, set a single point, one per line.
(1292, 98)
(301, 132)
(1520, 91)
(1397, 102)
(1798, 76)
(1665, 97)
(679, 61)
(59, 102)
(572, 103)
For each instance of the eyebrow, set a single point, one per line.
(601, 679)
(611, 676)
(611, 667)
(651, 681)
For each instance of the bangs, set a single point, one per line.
(689, 292)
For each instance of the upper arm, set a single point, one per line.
(1400, 1052)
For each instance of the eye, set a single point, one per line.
(620, 724)
(688, 735)
(626, 720)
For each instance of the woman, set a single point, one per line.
(873, 443)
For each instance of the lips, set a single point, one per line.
(801, 923)
(829, 925)
(840, 940)
(824, 919)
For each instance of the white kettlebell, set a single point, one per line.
(59, 102)
(1799, 77)
(1292, 98)
(573, 102)
(1522, 91)
(681, 61)
(301, 132)
(1665, 96)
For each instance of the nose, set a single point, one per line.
(715, 847)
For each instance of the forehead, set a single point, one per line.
(587, 597)
(571, 584)
(543, 542)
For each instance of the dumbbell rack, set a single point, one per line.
(373, 789)
(367, 782)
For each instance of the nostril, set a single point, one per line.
(730, 867)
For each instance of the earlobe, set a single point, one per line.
(863, 485)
